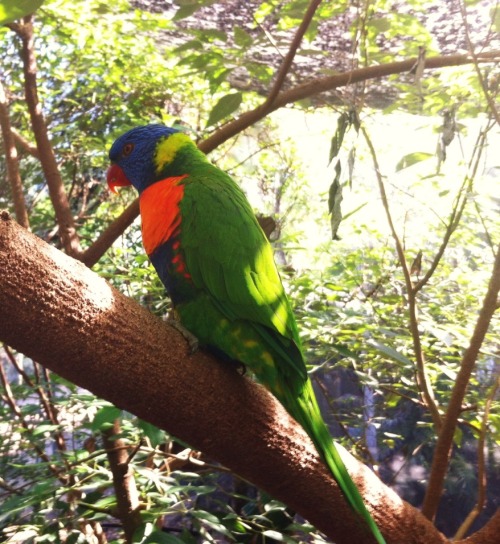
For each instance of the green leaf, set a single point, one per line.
(242, 38)
(224, 107)
(10, 10)
(334, 202)
(338, 137)
(105, 418)
(159, 537)
(42, 429)
(458, 436)
(156, 436)
(185, 11)
(188, 7)
(412, 158)
(390, 352)
(274, 535)
(380, 25)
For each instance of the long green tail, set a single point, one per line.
(305, 410)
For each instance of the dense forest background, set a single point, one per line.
(366, 137)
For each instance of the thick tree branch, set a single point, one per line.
(445, 439)
(65, 221)
(57, 311)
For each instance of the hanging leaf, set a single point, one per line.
(334, 200)
(10, 10)
(411, 159)
(338, 137)
(351, 159)
(224, 107)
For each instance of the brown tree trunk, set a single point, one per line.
(63, 315)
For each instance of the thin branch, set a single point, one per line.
(423, 382)
(288, 60)
(458, 208)
(445, 439)
(321, 85)
(481, 469)
(91, 255)
(12, 162)
(65, 221)
(489, 99)
(24, 144)
(127, 496)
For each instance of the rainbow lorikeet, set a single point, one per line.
(209, 251)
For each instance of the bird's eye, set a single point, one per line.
(127, 149)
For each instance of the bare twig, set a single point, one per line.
(458, 207)
(445, 439)
(321, 85)
(288, 60)
(91, 255)
(489, 98)
(423, 382)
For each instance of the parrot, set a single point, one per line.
(208, 249)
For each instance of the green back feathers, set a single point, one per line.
(229, 257)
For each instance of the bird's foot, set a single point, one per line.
(241, 368)
(189, 336)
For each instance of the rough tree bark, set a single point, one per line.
(57, 311)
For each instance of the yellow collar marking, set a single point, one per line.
(166, 150)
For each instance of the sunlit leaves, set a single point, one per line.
(10, 10)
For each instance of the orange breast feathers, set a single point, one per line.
(160, 212)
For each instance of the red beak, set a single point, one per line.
(116, 178)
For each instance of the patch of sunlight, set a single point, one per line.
(97, 291)
(420, 195)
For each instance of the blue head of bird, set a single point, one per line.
(139, 156)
